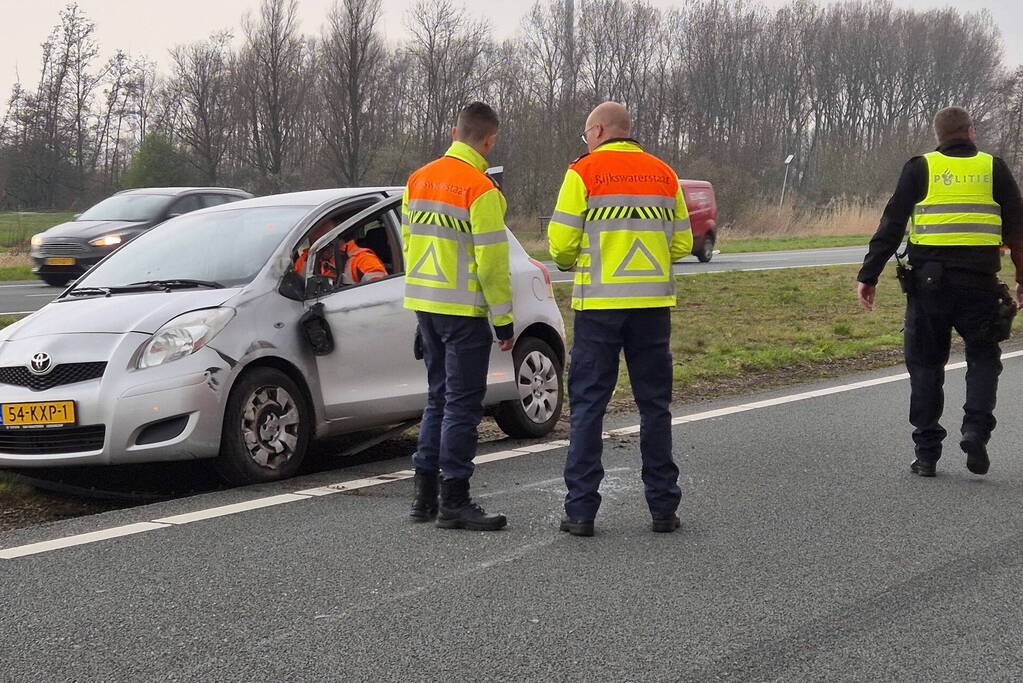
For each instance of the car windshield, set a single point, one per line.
(225, 248)
(127, 207)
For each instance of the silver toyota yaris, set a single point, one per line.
(229, 333)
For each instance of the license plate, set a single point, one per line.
(42, 414)
(60, 261)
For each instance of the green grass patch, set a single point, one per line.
(8, 273)
(731, 326)
(17, 227)
(729, 245)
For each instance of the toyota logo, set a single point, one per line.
(40, 364)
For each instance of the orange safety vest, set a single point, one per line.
(361, 262)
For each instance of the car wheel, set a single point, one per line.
(267, 426)
(56, 280)
(707, 250)
(541, 391)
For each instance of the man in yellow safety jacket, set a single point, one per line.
(456, 251)
(620, 222)
(963, 204)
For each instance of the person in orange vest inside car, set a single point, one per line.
(361, 264)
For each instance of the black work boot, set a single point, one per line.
(924, 468)
(577, 527)
(424, 506)
(457, 511)
(665, 525)
(975, 447)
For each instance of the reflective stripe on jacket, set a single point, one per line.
(621, 220)
(455, 241)
(960, 207)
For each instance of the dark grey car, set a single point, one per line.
(65, 251)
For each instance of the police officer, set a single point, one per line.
(456, 255)
(963, 205)
(620, 222)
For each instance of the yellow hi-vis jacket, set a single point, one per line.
(455, 241)
(960, 207)
(621, 221)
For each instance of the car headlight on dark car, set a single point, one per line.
(106, 241)
(182, 336)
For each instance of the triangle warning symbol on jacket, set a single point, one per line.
(639, 262)
(428, 266)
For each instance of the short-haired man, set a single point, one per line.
(963, 205)
(456, 255)
(620, 222)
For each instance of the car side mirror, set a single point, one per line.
(292, 287)
(317, 286)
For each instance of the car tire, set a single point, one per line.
(537, 410)
(56, 280)
(267, 427)
(707, 250)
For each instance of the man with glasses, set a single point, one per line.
(620, 222)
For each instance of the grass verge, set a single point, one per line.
(537, 247)
(17, 227)
(729, 245)
(741, 331)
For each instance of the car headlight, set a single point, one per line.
(37, 240)
(106, 241)
(182, 336)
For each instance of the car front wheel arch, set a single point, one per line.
(268, 425)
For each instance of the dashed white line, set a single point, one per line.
(401, 475)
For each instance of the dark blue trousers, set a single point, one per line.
(457, 354)
(599, 338)
(930, 319)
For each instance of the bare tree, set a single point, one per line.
(271, 73)
(202, 81)
(352, 59)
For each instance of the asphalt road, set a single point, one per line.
(25, 296)
(809, 552)
(765, 260)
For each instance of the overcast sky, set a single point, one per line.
(152, 26)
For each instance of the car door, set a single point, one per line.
(371, 376)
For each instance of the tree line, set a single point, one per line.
(723, 90)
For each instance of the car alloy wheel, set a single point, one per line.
(538, 387)
(269, 423)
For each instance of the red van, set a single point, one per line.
(703, 214)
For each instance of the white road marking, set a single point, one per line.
(16, 312)
(38, 285)
(80, 539)
(401, 475)
(232, 509)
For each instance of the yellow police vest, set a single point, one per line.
(960, 208)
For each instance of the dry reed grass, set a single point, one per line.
(838, 218)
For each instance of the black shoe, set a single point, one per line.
(923, 468)
(457, 511)
(665, 525)
(577, 527)
(424, 505)
(976, 453)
